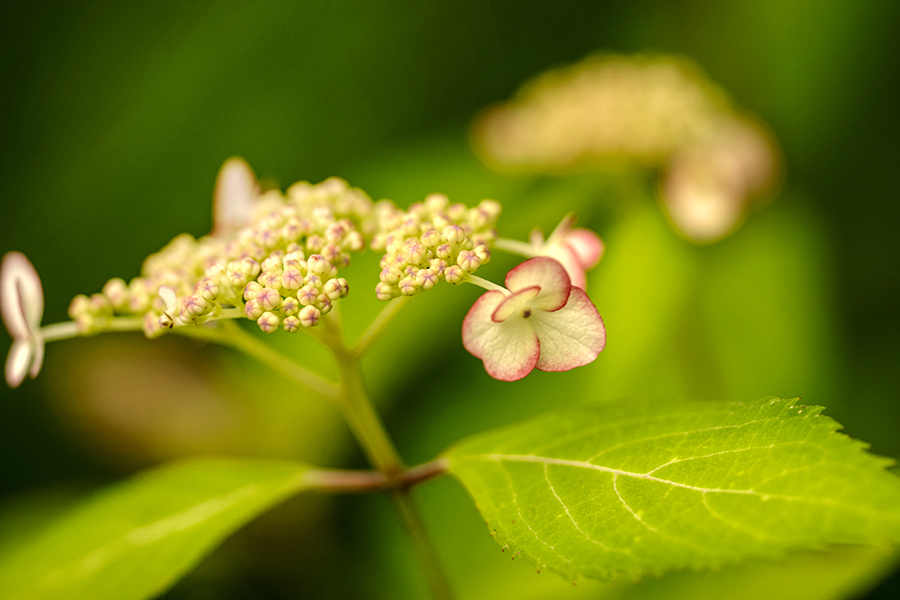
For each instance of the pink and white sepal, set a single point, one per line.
(576, 248)
(22, 308)
(540, 321)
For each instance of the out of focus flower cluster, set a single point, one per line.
(653, 111)
(432, 241)
(275, 258)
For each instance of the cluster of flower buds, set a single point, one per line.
(654, 111)
(432, 241)
(281, 268)
(275, 258)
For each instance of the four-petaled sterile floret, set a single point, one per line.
(542, 321)
(22, 308)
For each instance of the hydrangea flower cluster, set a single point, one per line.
(279, 270)
(276, 259)
(654, 111)
(432, 241)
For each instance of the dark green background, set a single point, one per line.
(116, 117)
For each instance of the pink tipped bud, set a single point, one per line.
(468, 261)
(454, 274)
(268, 322)
(453, 234)
(268, 298)
(385, 291)
(309, 316)
(291, 324)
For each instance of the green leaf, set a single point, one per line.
(137, 538)
(625, 490)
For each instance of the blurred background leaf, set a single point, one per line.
(116, 118)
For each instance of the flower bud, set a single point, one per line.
(271, 263)
(444, 251)
(208, 289)
(117, 292)
(308, 294)
(268, 298)
(438, 265)
(426, 278)
(384, 291)
(333, 289)
(454, 274)
(408, 286)
(252, 290)
(309, 316)
(79, 305)
(270, 279)
(150, 325)
(390, 275)
(291, 324)
(491, 207)
(453, 234)
(193, 306)
(290, 306)
(324, 304)
(431, 238)
(100, 304)
(457, 211)
(292, 279)
(436, 202)
(468, 260)
(317, 264)
(253, 310)
(268, 322)
(250, 267)
(354, 242)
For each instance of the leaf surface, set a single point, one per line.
(619, 491)
(137, 538)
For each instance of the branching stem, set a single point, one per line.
(371, 334)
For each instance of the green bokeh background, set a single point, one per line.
(117, 116)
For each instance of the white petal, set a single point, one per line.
(21, 296)
(571, 336)
(18, 362)
(38, 361)
(518, 303)
(545, 273)
(233, 200)
(170, 299)
(510, 349)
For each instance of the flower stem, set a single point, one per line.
(488, 285)
(362, 418)
(373, 331)
(376, 443)
(437, 579)
(516, 247)
(339, 481)
(232, 335)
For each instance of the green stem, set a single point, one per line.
(372, 436)
(516, 247)
(437, 579)
(232, 335)
(378, 325)
(362, 418)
